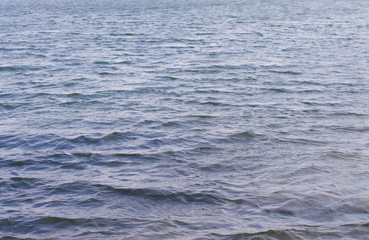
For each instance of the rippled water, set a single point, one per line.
(168, 119)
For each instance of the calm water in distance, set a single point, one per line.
(169, 119)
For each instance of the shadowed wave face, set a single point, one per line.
(174, 119)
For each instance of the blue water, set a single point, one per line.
(168, 119)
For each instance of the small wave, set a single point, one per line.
(69, 103)
(172, 124)
(233, 67)
(114, 136)
(348, 114)
(302, 141)
(218, 167)
(7, 106)
(211, 103)
(102, 63)
(343, 155)
(84, 139)
(246, 135)
(18, 68)
(288, 72)
(125, 34)
(153, 143)
(118, 136)
(39, 225)
(78, 187)
(129, 155)
(74, 94)
(4, 95)
(124, 62)
(165, 195)
(278, 90)
(15, 163)
(83, 155)
(202, 71)
(105, 73)
(24, 183)
(36, 55)
(270, 234)
(74, 166)
(11, 141)
(314, 83)
(351, 129)
(354, 207)
(60, 222)
(8, 69)
(205, 34)
(299, 232)
(203, 116)
(166, 78)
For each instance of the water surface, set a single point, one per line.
(173, 119)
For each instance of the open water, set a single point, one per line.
(169, 119)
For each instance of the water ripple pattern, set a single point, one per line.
(168, 119)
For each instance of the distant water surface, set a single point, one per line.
(168, 119)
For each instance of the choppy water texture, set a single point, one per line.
(190, 119)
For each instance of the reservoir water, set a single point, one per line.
(193, 119)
